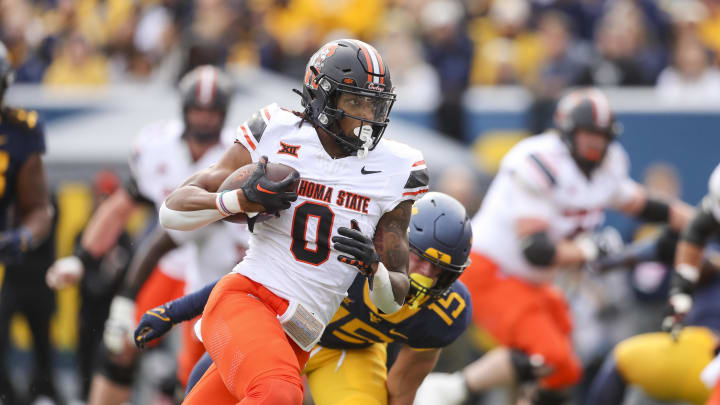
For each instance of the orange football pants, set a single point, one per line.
(715, 395)
(254, 362)
(533, 318)
(158, 289)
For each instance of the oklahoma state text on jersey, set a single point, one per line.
(291, 254)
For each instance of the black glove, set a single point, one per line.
(270, 194)
(598, 245)
(359, 247)
(679, 303)
(13, 244)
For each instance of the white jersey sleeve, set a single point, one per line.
(182, 237)
(533, 180)
(149, 146)
(250, 133)
(619, 162)
(409, 179)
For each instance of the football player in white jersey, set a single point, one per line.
(356, 191)
(165, 153)
(549, 195)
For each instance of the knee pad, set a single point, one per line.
(276, 391)
(528, 368)
(551, 397)
(556, 369)
(117, 373)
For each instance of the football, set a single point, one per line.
(273, 171)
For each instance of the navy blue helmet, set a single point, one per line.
(440, 233)
(351, 67)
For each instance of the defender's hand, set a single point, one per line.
(270, 194)
(359, 247)
(678, 306)
(119, 325)
(13, 244)
(598, 245)
(154, 324)
(64, 272)
(682, 285)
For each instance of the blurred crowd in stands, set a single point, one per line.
(437, 48)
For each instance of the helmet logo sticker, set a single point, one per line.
(318, 61)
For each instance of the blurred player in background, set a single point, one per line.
(219, 247)
(25, 222)
(349, 364)
(538, 217)
(689, 258)
(292, 280)
(165, 153)
(666, 366)
(98, 286)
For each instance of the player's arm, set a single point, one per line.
(99, 236)
(158, 321)
(408, 372)
(121, 319)
(144, 261)
(688, 262)
(197, 203)
(391, 242)
(33, 201)
(532, 188)
(383, 259)
(639, 204)
(107, 223)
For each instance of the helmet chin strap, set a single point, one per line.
(364, 133)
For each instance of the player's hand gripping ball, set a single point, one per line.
(271, 185)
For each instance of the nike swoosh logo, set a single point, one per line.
(363, 171)
(162, 318)
(263, 190)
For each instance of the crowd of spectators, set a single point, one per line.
(438, 47)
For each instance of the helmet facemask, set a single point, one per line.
(203, 90)
(204, 134)
(585, 162)
(587, 110)
(422, 288)
(346, 101)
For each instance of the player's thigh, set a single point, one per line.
(491, 294)
(191, 349)
(665, 368)
(348, 377)
(245, 340)
(210, 389)
(539, 331)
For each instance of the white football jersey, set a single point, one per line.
(538, 178)
(161, 162)
(292, 255)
